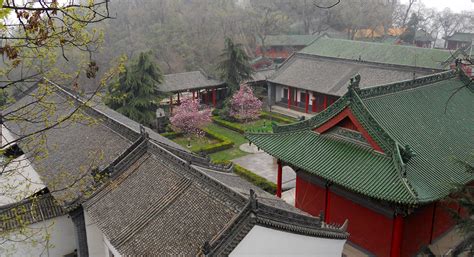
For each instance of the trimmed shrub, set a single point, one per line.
(171, 135)
(277, 117)
(224, 144)
(230, 125)
(255, 179)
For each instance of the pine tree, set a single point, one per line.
(135, 94)
(412, 26)
(234, 67)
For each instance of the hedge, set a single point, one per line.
(277, 117)
(172, 135)
(230, 125)
(253, 178)
(224, 144)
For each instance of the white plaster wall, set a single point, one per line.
(95, 238)
(62, 239)
(279, 92)
(99, 245)
(261, 241)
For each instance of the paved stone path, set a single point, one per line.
(265, 166)
(250, 148)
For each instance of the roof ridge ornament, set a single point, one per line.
(354, 83)
(407, 154)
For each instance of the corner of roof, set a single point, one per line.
(256, 213)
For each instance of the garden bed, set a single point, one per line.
(212, 142)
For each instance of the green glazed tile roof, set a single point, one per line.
(379, 53)
(462, 37)
(414, 113)
(346, 164)
(289, 40)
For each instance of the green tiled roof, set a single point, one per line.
(289, 40)
(379, 53)
(411, 116)
(462, 37)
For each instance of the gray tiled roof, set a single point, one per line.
(76, 146)
(330, 76)
(187, 80)
(160, 204)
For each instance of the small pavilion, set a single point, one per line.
(196, 83)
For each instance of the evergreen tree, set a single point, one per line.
(135, 94)
(412, 26)
(234, 67)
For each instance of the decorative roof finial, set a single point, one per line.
(407, 154)
(253, 199)
(354, 83)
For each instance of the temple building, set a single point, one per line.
(459, 40)
(385, 158)
(106, 186)
(313, 78)
(280, 47)
(195, 84)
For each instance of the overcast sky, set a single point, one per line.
(455, 5)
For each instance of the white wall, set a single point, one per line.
(62, 239)
(99, 245)
(261, 241)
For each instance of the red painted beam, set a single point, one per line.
(289, 97)
(397, 236)
(307, 101)
(214, 99)
(279, 178)
(327, 204)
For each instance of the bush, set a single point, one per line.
(172, 135)
(224, 144)
(277, 117)
(253, 178)
(230, 125)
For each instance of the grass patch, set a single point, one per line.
(197, 143)
(235, 137)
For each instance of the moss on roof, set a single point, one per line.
(379, 53)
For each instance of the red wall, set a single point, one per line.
(309, 197)
(372, 230)
(374, 236)
(367, 228)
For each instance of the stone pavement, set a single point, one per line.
(265, 166)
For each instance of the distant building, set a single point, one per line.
(111, 187)
(384, 157)
(280, 47)
(315, 77)
(459, 40)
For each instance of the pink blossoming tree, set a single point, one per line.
(188, 119)
(244, 105)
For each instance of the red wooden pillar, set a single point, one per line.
(307, 101)
(313, 107)
(206, 96)
(214, 99)
(171, 104)
(325, 102)
(179, 101)
(289, 97)
(397, 236)
(279, 178)
(433, 219)
(327, 204)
